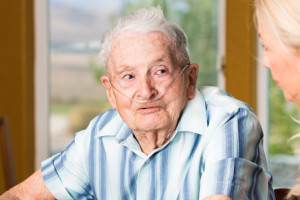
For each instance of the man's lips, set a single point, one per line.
(149, 109)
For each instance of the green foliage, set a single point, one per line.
(98, 70)
(60, 108)
(282, 126)
(81, 114)
(200, 23)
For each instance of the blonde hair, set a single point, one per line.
(282, 19)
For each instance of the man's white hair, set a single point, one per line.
(145, 21)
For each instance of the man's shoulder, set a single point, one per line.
(106, 116)
(96, 124)
(218, 100)
(103, 119)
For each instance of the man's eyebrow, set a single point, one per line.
(157, 61)
(123, 68)
(126, 67)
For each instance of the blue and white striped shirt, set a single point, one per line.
(216, 149)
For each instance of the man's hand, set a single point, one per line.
(32, 188)
(9, 196)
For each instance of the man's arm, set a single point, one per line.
(235, 164)
(32, 188)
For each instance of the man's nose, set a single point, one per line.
(146, 89)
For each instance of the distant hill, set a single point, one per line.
(70, 23)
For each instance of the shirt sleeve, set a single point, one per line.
(234, 160)
(65, 174)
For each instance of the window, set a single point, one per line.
(283, 161)
(76, 93)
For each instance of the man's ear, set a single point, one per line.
(192, 76)
(109, 91)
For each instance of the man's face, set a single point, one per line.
(140, 67)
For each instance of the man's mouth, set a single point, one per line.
(149, 109)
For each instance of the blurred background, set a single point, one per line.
(49, 72)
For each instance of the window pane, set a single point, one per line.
(76, 28)
(283, 162)
(76, 93)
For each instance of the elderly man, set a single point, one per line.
(162, 139)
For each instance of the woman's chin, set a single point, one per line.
(292, 98)
(297, 102)
(288, 96)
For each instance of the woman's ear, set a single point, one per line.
(109, 91)
(192, 76)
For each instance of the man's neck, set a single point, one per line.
(149, 141)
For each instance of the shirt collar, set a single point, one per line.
(193, 119)
(113, 127)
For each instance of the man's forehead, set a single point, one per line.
(130, 44)
(134, 37)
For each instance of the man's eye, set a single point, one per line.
(161, 71)
(128, 76)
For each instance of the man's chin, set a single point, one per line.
(151, 125)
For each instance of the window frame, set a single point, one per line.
(41, 78)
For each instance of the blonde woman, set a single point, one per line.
(279, 30)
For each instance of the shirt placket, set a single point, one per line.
(143, 180)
